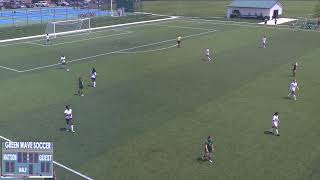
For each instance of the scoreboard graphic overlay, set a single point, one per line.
(27, 159)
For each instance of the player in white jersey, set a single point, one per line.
(293, 86)
(93, 76)
(63, 62)
(264, 42)
(47, 39)
(207, 54)
(178, 41)
(275, 124)
(68, 118)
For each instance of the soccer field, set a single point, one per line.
(155, 104)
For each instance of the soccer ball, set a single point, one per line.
(68, 69)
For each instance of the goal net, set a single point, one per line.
(68, 27)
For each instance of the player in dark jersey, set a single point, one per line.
(208, 149)
(81, 85)
(294, 69)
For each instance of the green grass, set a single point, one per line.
(150, 112)
(36, 29)
(218, 8)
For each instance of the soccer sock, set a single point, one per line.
(71, 127)
(294, 97)
(277, 131)
(67, 127)
(94, 84)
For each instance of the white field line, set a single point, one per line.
(125, 32)
(59, 164)
(183, 27)
(42, 40)
(97, 28)
(80, 40)
(146, 51)
(118, 51)
(11, 69)
(245, 24)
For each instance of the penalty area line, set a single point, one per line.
(119, 51)
(59, 164)
(10, 69)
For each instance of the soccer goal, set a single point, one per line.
(68, 27)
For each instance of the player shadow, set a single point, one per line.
(63, 129)
(200, 160)
(206, 60)
(268, 133)
(286, 97)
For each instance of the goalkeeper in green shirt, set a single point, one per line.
(81, 85)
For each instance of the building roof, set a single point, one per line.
(263, 4)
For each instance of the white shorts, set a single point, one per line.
(275, 125)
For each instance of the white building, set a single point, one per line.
(255, 8)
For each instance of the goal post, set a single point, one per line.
(68, 27)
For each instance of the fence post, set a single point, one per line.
(41, 14)
(27, 12)
(12, 13)
(54, 15)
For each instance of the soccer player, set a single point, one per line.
(63, 62)
(178, 41)
(208, 149)
(294, 69)
(81, 86)
(47, 39)
(93, 77)
(275, 124)
(207, 54)
(68, 118)
(264, 42)
(293, 86)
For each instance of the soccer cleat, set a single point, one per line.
(210, 161)
(278, 134)
(82, 94)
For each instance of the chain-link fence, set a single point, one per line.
(18, 17)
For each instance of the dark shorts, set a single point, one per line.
(178, 42)
(93, 79)
(80, 87)
(210, 149)
(69, 121)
